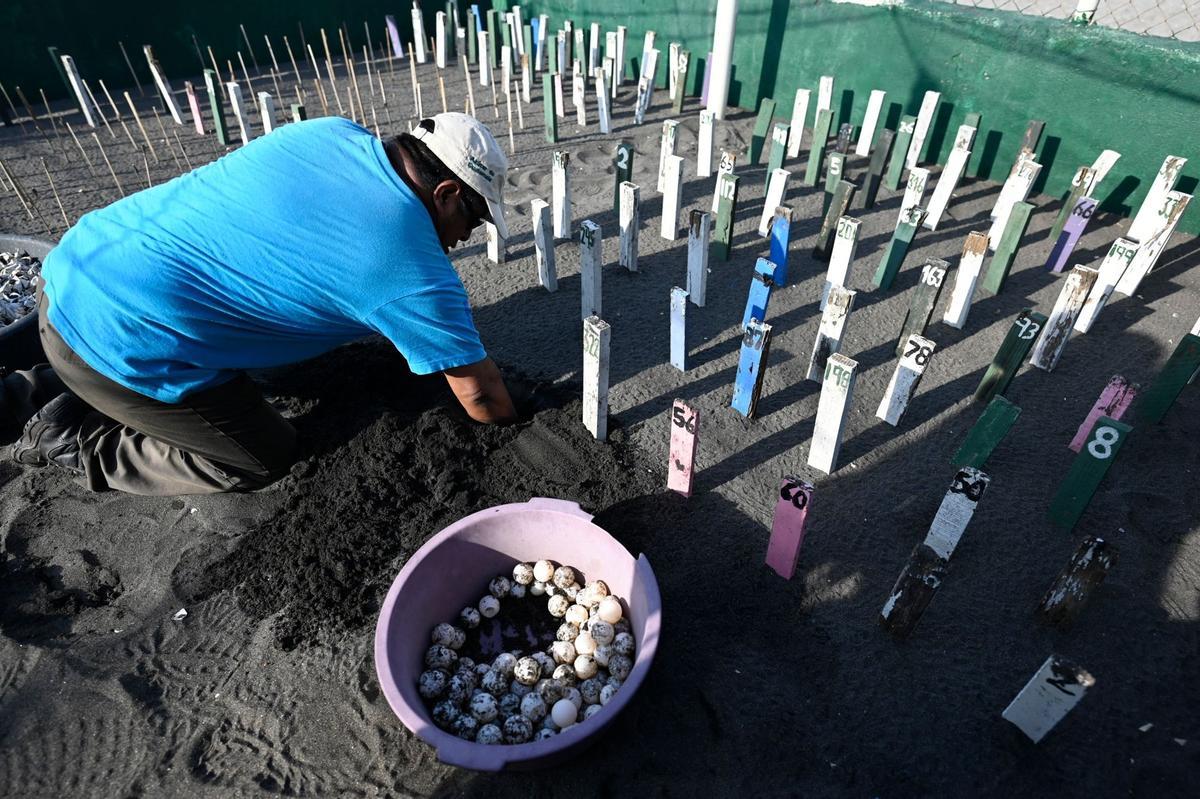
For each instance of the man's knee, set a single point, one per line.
(272, 463)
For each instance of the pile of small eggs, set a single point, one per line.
(19, 276)
(521, 697)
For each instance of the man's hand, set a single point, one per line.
(480, 389)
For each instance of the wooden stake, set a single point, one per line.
(816, 153)
(292, 58)
(866, 136)
(843, 195)
(1076, 223)
(796, 128)
(666, 149)
(752, 366)
(955, 512)
(914, 358)
(834, 319)
(1169, 214)
(164, 85)
(897, 249)
(724, 167)
(787, 527)
(913, 591)
(1006, 250)
(679, 348)
(704, 144)
(1075, 584)
(672, 197)
(544, 245)
(1113, 401)
(629, 213)
(76, 82)
(622, 168)
(1014, 191)
(212, 82)
(497, 246)
(685, 430)
(108, 163)
(779, 136)
(82, 152)
(591, 262)
(901, 145)
(1167, 386)
(561, 194)
(1145, 222)
(699, 225)
(781, 234)
(136, 81)
(759, 296)
(837, 388)
(596, 336)
(141, 127)
(1088, 469)
(879, 157)
(991, 427)
(776, 191)
(1048, 696)
(924, 119)
(1008, 359)
(1049, 346)
(727, 189)
(845, 243)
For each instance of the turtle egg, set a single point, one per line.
(499, 586)
(610, 609)
(469, 618)
(548, 722)
(443, 634)
(585, 667)
(520, 689)
(465, 726)
(432, 684)
(494, 682)
(602, 654)
(484, 707)
(552, 691)
(602, 631)
(489, 734)
(574, 697)
(444, 713)
(590, 689)
(558, 605)
(623, 627)
(543, 571)
(459, 688)
(623, 644)
(440, 657)
(564, 576)
(552, 589)
(527, 671)
(585, 644)
(508, 705)
(607, 693)
(517, 591)
(590, 711)
(489, 606)
(466, 664)
(598, 588)
(504, 663)
(619, 666)
(564, 713)
(565, 673)
(563, 651)
(517, 729)
(537, 589)
(533, 707)
(460, 638)
(481, 669)
(522, 574)
(576, 614)
(572, 591)
(567, 631)
(545, 661)
(544, 733)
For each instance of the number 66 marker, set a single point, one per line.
(1087, 471)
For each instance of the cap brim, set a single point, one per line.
(497, 212)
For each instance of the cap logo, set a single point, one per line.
(480, 168)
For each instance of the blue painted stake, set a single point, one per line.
(760, 292)
(479, 26)
(679, 300)
(752, 365)
(781, 231)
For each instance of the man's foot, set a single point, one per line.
(52, 435)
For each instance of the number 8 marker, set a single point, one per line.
(1087, 471)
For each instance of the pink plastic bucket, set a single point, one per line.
(452, 570)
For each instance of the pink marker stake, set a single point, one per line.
(787, 530)
(194, 106)
(1114, 400)
(685, 426)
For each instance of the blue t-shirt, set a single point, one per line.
(300, 241)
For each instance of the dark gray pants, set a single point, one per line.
(225, 438)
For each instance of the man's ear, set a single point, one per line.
(446, 193)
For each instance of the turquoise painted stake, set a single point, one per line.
(908, 124)
(623, 163)
(552, 113)
(760, 292)
(1008, 359)
(843, 194)
(472, 32)
(1162, 393)
(993, 425)
(752, 365)
(924, 298)
(897, 249)
(766, 110)
(679, 301)
(727, 191)
(816, 155)
(779, 137)
(781, 231)
(212, 84)
(833, 175)
(493, 22)
(879, 157)
(1086, 472)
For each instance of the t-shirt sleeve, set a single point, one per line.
(432, 329)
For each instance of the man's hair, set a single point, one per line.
(430, 171)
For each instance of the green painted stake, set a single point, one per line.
(897, 249)
(506, 36)
(527, 38)
(1156, 400)
(552, 114)
(1006, 250)
(623, 164)
(766, 110)
(908, 123)
(816, 153)
(833, 176)
(993, 425)
(924, 298)
(493, 22)
(685, 62)
(212, 83)
(1086, 472)
(298, 112)
(58, 67)
(1080, 184)
(727, 190)
(1008, 359)
(779, 136)
(972, 169)
(879, 157)
(843, 194)
(472, 44)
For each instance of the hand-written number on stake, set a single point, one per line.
(845, 230)
(922, 353)
(622, 158)
(779, 135)
(688, 423)
(972, 488)
(840, 374)
(933, 277)
(726, 164)
(793, 493)
(587, 236)
(1126, 253)
(753, 337)
(727, 189)
(1101, 446)
(560, 159)
(916, 183)
(1084, 209)
(1028, 328)
(907, 127)
(835, 167)
(591, 344)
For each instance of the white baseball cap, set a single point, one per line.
(468, 149)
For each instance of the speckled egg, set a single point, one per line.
(499, 586)
(543, 571)
(544, 733)
(610, 609)
(619, 666)
(602, 631)
(564, 713)
(522, 574)
(597, 588)
(574, 697)
(469, 618)
(484, 707)
(465, 663)
(563, 652)
(432, 683)
(623, 627)
(489, 606)
(565, 673)
(564, 576)
(504, 663)
(545, 661)
(465, 726)
(527, 671)
(548, 722)
(607, 693)
(566, 631)
(576, 614)
(552, 589)
(572, 592)
(440, 657)
(517, 591)
(590, 711)
(552, 691)
(443, 634)
(494, 683)
(590, 689)
(508, 705)
(459, 688)
(460, 638)
(558, 605)
(533, 707)
(537, 588)
(489, 734)
(585, 644)
(517, 729)
(614, 681)
(519, 689)
(480, 670)
(602, 654)
(444, 713)
(623, 644)
(585, 667)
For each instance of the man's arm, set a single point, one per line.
(480, 389)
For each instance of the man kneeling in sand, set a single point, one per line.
(314, 236)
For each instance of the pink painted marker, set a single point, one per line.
(685, 426)
(194, 105)
(787, 529)
(1114, 400)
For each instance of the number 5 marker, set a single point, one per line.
(685, 427)
(787, 528)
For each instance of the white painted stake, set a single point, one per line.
(1048, 697)
(914, 191)
(833, 327)
(672, 197)
(594, 49)
(1170, 210)
(704, 145)
(699, 230)
(967, 275)
(543, 32)
(560, 194)
(77, 86)
(1016, 189)
(799, 116)
(602, 102)
(672, 68)
(591, 249)
(902, 386)
(666, 149)
(837, 388)
(164, 85)
(1146, 221)
(559, 107)
(825, 93)
(419, 37)
(266, 109)
(866, 136)
(724, 167)
(845, 243)
(579, 95)
(1103, 164)
(956, 163)
(485, 60)
(679, 299)
(439, 32)
(776, 190)
(631, 200)
(497, 248)
(956, 510)
(596, 335)
(924, 120)
(622, 32)
(1120, 255)
(647, 49)
(239, 110)
(543, 243)
(724, 27)
(1057, 331)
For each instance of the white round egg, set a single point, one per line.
(610, 609)
(558, 605)
(489, 606)
(585, 644)
(585, 667)
(543, 571)
(564, 576)
(522, 574)
(576, 614)
(564, 713)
